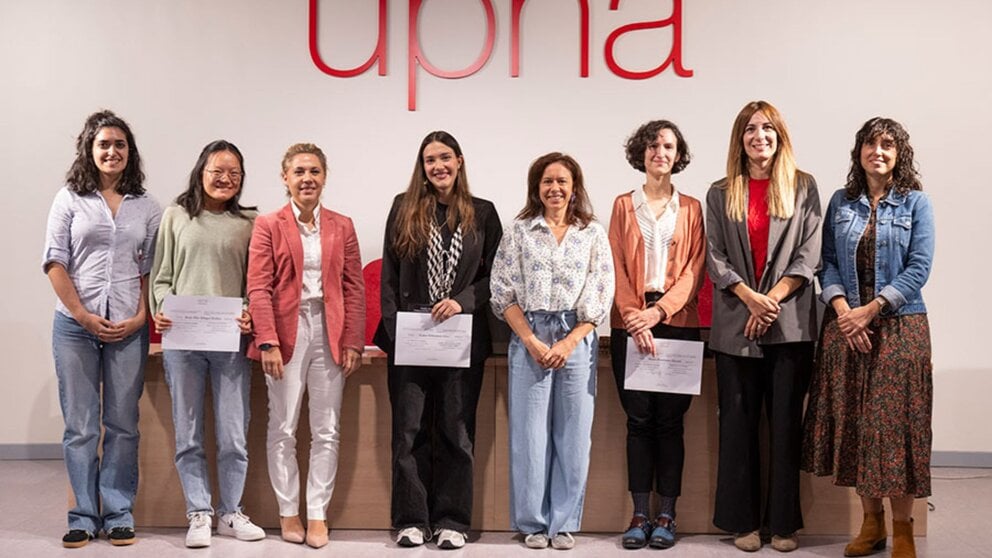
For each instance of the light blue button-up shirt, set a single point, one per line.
(105, 256)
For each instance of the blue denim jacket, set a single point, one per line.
(904, 244)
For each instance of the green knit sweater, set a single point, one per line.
(205, 256)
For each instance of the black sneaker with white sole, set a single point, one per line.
(76, 538)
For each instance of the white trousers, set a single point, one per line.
(312, 369)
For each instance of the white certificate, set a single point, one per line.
(677, 367)
(202, 323)
(420, 341)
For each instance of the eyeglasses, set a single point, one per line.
(233, 175)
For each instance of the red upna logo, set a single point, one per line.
(415, 57)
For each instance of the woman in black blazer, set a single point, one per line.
(437, 253)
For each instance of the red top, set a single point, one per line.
(757, 224)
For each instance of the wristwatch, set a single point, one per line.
(265, 346)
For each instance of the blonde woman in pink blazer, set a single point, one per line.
(307, 299)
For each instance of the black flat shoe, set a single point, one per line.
(122, 536)
(637, 533)
(76, 538)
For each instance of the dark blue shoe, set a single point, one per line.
(637, 534)
(663, 535)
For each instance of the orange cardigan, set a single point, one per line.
(684, 271)
(275, 282)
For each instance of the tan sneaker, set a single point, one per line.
(788, 543)
(748, 542)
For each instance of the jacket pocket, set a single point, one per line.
(902, 230)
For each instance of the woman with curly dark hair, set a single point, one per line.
(868, 418)
(99, 246)
(659, 252)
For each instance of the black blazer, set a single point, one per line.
(405, 284)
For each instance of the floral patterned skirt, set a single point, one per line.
(868, 417)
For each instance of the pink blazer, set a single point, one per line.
(275, 282)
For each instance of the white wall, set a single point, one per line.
(186, 72)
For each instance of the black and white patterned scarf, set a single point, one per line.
(441, 263)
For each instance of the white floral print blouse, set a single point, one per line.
(535, 272)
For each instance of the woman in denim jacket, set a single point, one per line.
(874, 354)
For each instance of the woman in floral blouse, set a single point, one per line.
(552, 281)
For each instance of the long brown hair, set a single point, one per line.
(905, 177)
(579, 210)
(783, 180)
(419, 204)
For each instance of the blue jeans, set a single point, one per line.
(229, 374)
(105, 488)
(550, 429)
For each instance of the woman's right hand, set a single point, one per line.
(102, 328)
(272, 363)
(161, 322)
(856, 340)
(536, 348)
(762, 307)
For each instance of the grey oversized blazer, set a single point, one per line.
(793, 249)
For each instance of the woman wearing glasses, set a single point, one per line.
(202, 250)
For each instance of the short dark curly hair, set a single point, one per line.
(905, 176)
(638, 142)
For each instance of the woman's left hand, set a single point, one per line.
(558, 354)
(124, 329)
(244, 322)
(756, 327)
(351, 361)
(643, 320)
(445, 309)
(645, 342)
(857, 320)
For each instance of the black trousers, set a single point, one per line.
(655, 445)
(778, 381)
(433, 441)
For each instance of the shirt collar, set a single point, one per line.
(316, 215)
(639, 199)
(537, 223)
(892, 197)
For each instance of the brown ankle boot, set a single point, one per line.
(902, 539)
(871, 539)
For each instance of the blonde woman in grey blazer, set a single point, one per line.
(763, 236)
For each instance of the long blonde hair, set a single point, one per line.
(783, 177)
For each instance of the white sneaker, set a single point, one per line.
(238, 525)
(449, 539)
(198, 535)
(411, 536)
(536, 540)
(563, 541)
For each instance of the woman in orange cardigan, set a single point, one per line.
(659, 250)
(306, 296)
